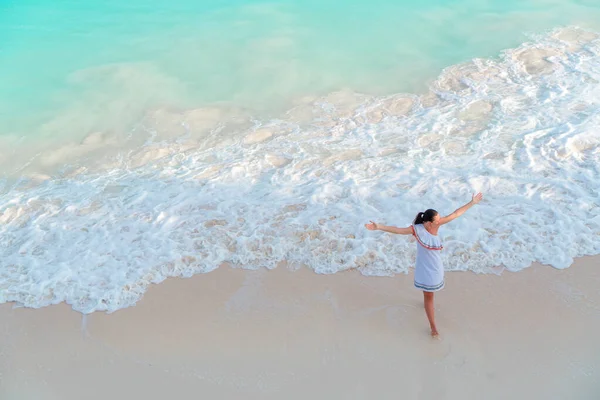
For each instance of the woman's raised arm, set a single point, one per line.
(460, 211)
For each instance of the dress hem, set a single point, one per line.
(428, 288)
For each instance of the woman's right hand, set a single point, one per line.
(477, 198)
(372, 226)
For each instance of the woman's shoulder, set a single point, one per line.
(426, 239)
(420, 228)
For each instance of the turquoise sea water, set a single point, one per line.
(142, 140)
(70, 68)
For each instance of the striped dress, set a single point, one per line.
(429, 269)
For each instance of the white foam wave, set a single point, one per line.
(522, 129)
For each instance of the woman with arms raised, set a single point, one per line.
(429, 269)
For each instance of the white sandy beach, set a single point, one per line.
(146, 141)
(283, 334)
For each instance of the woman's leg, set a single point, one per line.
(430, 311)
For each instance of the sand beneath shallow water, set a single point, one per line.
(283, 334)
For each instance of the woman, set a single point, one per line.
(429, 270)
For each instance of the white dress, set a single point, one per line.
(429, 269)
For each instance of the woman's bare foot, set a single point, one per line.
(435, 334)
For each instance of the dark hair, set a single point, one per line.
(426, 216)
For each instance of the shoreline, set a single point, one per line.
(296, 334)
